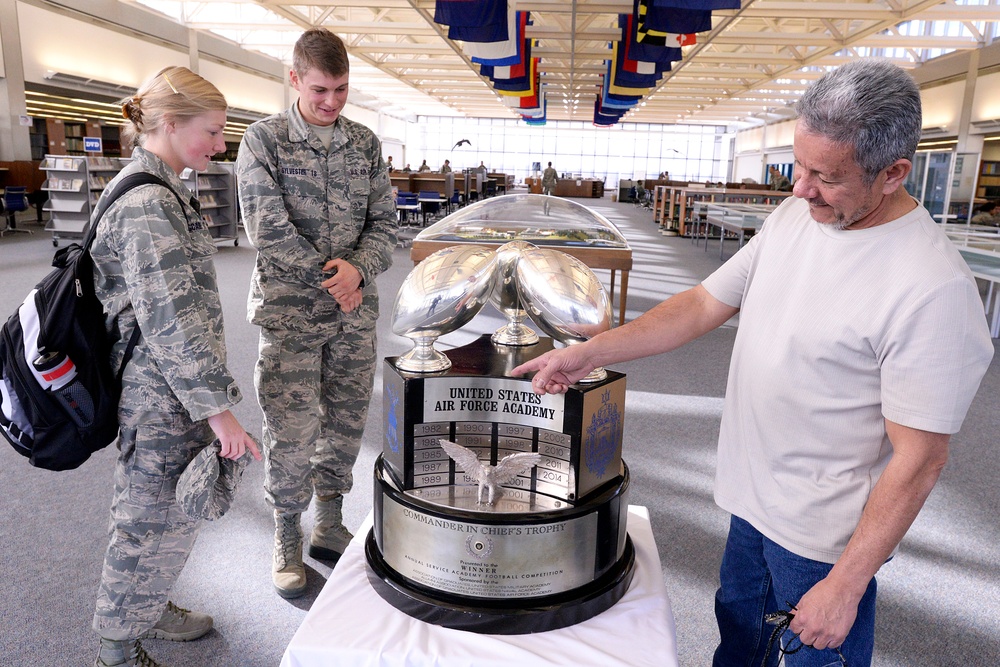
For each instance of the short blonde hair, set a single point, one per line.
(173, 93)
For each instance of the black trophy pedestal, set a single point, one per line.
(552, 549)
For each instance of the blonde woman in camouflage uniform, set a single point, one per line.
(318, 207)
(154, 270)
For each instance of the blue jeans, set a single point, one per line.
(758, 577)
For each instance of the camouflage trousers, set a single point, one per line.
(150, 537)
(314, 392)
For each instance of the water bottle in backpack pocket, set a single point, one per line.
(57, 374)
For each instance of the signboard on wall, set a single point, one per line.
(92, 145)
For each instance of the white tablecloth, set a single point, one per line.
(350, 625)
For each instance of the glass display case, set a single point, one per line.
(538, 219)
(545, 221)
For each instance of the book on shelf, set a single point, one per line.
(65, 184)
(102, 162)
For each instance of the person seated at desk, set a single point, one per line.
(424, 166)
(446, 167)
(987, 214)
(406, 169)
(778, 180)
(640, 192)
(482, 169)
(388, 164)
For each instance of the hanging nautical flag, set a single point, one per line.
(474, 20)
(488, 32)
(674, 40)
(660, 21)
(604, 118)
(522, 86)
(502, 53)
(619, 99)
(469, 13)
(629, 91)
(526, 102)
(494, 53)
(535, 116)
(513, 71)
(657, 58)
(620, 76)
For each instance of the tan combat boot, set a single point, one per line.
(177, 624)
(127, 653)
(287, 572)
(329, 536)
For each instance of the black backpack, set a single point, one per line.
(58, 396)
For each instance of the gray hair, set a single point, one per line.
(869, 104)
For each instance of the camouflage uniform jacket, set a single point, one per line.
(153, 265)
(304, 205)
(549, 178)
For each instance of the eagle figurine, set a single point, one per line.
(489, 477)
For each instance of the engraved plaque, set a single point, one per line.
(488, 560)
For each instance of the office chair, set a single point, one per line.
(15, 199)
(38, 199)
(429, 207)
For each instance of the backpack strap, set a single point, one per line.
(128, 183)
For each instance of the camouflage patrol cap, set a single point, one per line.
(206, 488)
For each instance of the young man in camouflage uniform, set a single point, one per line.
(549, 180)
(318, 207)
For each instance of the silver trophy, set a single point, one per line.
(564, 298)
(441, 294)
(504, 297)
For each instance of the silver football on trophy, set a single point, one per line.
(440, 295)
(564, 298)
(504, 297)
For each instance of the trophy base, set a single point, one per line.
(596, 375)
(505, 335)
(528, 563)
(423, 360)
(500, 617)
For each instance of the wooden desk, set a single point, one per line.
(443, 184)
(675, 215)
(614, 259)
(503, 181)
(401, 181)
(579, 187)
(534, 185)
